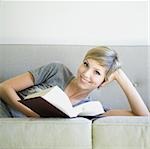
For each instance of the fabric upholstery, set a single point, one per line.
(121, 133)
(30, 133)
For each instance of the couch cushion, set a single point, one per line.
(45, 133)
(118, 132)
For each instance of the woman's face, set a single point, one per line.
(90, 74)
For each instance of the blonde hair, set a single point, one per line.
(106, 57)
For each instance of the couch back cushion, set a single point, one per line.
(17, 59)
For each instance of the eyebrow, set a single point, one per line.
(94, 67)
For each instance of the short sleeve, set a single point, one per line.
(51, 75)
(43, 73)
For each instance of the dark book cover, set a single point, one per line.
(43, 108)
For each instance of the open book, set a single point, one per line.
(53, 102)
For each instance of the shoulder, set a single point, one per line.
(50, 70)
(61, 69)
(49, 67)
(54, 64)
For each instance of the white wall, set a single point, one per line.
(83, 23)
(149, 75)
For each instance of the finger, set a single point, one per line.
(105, 83)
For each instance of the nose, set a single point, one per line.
(87, 73)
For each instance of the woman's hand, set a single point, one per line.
(136, 103)
(111, 78)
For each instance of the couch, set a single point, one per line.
(113, 132)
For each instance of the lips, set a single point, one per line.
(84, 80)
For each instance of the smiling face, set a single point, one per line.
(90, 74)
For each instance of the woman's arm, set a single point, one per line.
(136, 103)
(8, 93)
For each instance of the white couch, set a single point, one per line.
(114, 132)
(79, 133)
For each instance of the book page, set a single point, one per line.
(90, 108)
(58, 98)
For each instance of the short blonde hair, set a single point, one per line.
(106, 57)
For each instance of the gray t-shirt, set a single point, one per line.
(45, 77)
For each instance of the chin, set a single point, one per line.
(84, 85)
(81, 85)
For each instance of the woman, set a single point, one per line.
(100, 67)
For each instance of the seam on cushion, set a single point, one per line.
(131, 124)
(59, 147)
(50, 123)
(78, 146)
(3, 120)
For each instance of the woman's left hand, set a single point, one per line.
(136, 103)
(111, 78)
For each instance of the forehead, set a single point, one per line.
(95, 65)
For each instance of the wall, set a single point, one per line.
(72, 23)
(149, 52)
(81, 23)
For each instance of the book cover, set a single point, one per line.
(53, 102)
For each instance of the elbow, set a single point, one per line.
(146, 113)
(4, 87)
(1, 89)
